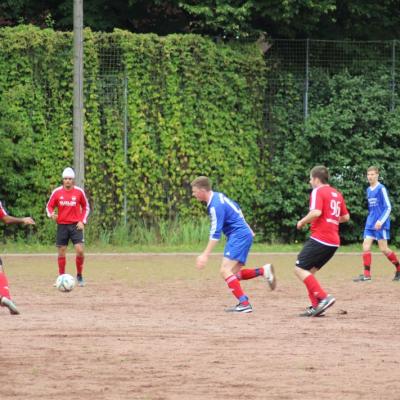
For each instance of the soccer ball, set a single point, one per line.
(65, 283)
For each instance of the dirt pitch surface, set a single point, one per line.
(154, 328)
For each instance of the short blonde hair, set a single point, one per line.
(373, 168)
(202, 182)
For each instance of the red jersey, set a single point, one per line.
(325, 228)
(73, 206)
(3, 212)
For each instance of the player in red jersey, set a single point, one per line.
(5, 299)
(327, 211)
(73, 210)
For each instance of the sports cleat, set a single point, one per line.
(362, 278)
(5, 302)
(397, 276)
(80, 280)
(323, 305)
(269, 275)
(309, 312)
(240, 308)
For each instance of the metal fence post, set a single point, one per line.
(78, 117)
(125, 115)
(306, 83)
(393, 100)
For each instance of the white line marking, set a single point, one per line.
(289, 253)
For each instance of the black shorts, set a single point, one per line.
(65, 232)
(314, 255)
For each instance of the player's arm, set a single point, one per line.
(85, 207)
(316, 206)
(217, 220)
(203, 257)
(387, 209)
(50, 207)
(85, 210)
(312, 214)
(8, 219)
(344, 213)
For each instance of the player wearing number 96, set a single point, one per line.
(327, 210)
(226, 217)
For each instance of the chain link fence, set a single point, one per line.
(308, 62)
(111, 88)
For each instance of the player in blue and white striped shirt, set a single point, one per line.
(377, 226)
(226, 217)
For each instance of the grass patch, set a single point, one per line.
(101, 247)
(166, 236)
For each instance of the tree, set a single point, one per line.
(323, 19)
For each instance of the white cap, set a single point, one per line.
(68, 173)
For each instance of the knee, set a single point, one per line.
(223, 271)
(79, 251)
(383, 247)
(226, 271)
(366, 247)
(298, 271)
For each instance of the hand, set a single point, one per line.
(80, 226)
(300, 224)
(201, 261)
(54, 217)
(28, 221)
(378, 225)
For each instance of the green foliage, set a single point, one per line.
(225, 18)
(323, 19)
(35, 118)
(193, 107)
(350, 127)
(197, 110)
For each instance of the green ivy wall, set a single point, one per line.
(193, 107)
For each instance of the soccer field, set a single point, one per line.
(153, 327)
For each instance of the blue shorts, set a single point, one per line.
(238, 246)
(382, 234)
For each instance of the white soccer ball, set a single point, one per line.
(65, 283)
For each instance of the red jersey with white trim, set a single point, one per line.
(3, 212)
(72, 205)
(325, 228)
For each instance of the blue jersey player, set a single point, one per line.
(377, 226)
(226, 217)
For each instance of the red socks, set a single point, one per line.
(314, 288)
(367, 263)
(79, 264)
(234, 284)
(393, 259)
(246, 274)
(4, 290)
(313, 299)
(61, 265)
(78, 261)
(243, 275)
